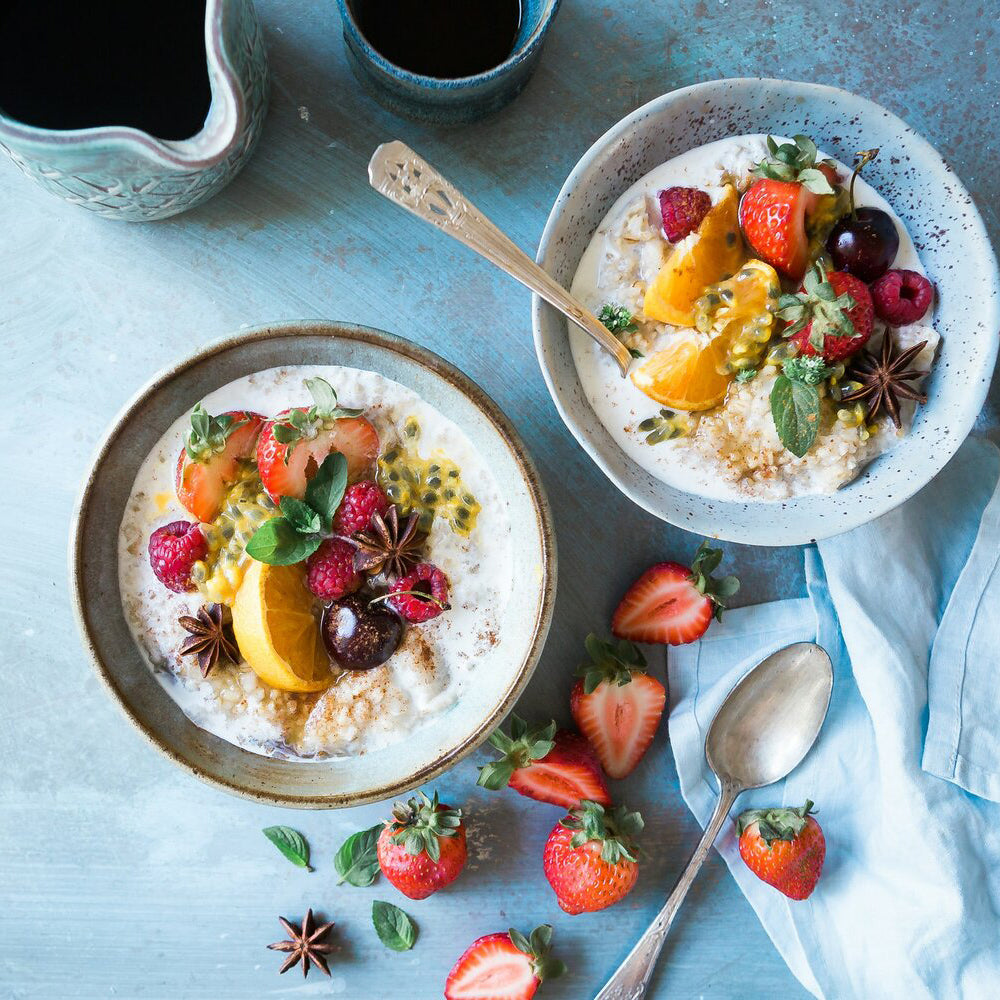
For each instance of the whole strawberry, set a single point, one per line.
(776, 208)
(591, 857)
(783, 847)
(549, 766)
(830, 316)
(422, 848)
(616, 704)
(504, 966)
(673, 603)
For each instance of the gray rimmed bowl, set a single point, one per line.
(93, 559)
(922, 189)
(449, 101)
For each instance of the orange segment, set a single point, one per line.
(277, 631)
(716, 253)
(687, 375)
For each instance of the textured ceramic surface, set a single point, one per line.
(124, 173)
(440, 742)
(449, 102)
(936, 209)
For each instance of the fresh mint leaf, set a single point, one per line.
(291, 843)
(277, 543)
(394, 928)
(357, 860)
(326, 489)
(795, 409)
(300, 515)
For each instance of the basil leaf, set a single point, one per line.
(326, 489)
(795, 409)
(291, 843)
(394, 928)
(357, 860)
(299, 515)
(277, 543)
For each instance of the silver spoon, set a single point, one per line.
(764, 728)
(402, 176)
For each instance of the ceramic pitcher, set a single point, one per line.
(125, 173)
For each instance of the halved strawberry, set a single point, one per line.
(617, 705)
(773, 219)
(556, 767)
(504, 966)
(673, 604)
(293, 445)
(210, 460)
(774, 209)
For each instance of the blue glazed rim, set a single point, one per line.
(518, 56)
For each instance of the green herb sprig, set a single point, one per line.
(291, 843)
(297, 533)
(394, 927)
(795, 402)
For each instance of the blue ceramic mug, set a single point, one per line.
(449, 101)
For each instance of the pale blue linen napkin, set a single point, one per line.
(909, 609)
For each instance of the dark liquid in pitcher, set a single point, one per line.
(83, 63)
(441, 38)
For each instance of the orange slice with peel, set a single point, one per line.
(687, 375)
(715, 254)
(276, 629)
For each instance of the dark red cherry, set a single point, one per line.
(360, 635)
(864, 243)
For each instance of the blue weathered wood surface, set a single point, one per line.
(120, 876)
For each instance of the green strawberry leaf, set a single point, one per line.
(277, 543)
(795, 409)
(395, 929)
(357, 860)
(291, 843)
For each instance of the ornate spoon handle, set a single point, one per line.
(397, 172)
(632, 977)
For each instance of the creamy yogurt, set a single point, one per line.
(623, 257)
(362, 710)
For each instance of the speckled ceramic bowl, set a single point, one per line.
(936, 209)
(449, 102)
(380, 774)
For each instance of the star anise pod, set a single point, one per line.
(883, 379)
(210, 639)
(304, 944)
(388, 546)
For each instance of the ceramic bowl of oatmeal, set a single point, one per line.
(314, 564)
(765, 297)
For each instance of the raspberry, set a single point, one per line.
(355, 511)
(330, 571)
(682, 210)
(902, 297)
(425, 578)
(173, 550)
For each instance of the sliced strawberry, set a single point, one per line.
(673, 604)
(293, 445)
(617, 705)
(773, 219)
(504, 966)
(210, 460)
(556, 767)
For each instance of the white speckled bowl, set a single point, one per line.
(433, 747)
(922, 189)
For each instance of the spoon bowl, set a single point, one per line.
(763, 729)
(771, 718)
